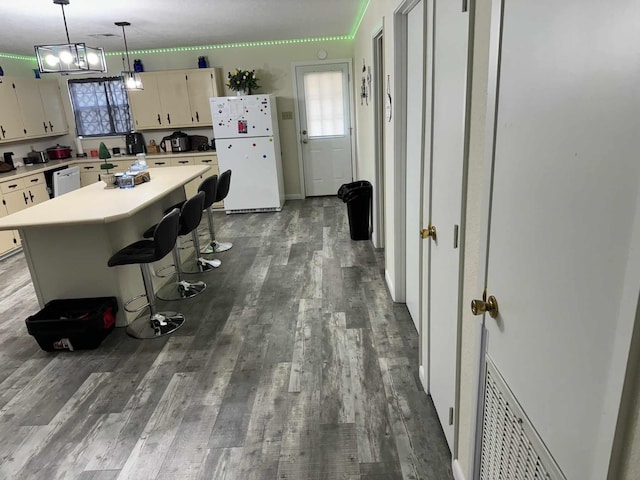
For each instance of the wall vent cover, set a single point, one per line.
(511, 448)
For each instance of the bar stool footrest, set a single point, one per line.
(154, 326)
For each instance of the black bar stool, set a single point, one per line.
(144, 252)
(222, 190)
(190, 216)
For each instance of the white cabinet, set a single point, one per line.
(10, 115)
(175, 98)
(191, 188)
(17, 195)
(54, 114)
(31, 108)
(9, 239)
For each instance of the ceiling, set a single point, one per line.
(172, 23)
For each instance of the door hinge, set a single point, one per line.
(450, 415)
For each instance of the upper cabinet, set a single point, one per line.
(10, 117)
(31, 108)
(175, 98)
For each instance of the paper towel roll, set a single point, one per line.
(79, 150)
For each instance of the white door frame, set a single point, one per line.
(378, 135)
(400, 148)
(296, 102)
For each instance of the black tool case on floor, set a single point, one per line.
(74, 323)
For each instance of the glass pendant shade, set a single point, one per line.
(69, 57)
(131, 78)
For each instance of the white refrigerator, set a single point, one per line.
(247, 143)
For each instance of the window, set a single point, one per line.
(324, 103)
(100, 106)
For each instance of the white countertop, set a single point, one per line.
(97, 204)
(52, 164)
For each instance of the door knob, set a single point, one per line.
(490, 305)
(428, 232)
(305, 141)
(304, 132)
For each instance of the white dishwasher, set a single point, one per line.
(66, 180)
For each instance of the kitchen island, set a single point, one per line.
(68, 240)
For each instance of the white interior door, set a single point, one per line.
(415, 156)
(563, 246)
(451, 34)
(324, 115)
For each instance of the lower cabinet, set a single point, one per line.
(191, 188)
(17, 195)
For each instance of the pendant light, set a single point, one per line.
(132, 80)
(69, 57)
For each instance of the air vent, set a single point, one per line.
(511, 449)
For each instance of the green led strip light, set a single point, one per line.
(17, 57)
(363, 9)
(234, 45)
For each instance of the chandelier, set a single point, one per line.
(69, 57)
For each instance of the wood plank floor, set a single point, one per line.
(293, 364)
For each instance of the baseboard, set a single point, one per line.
(293, 196)
(423, 378)
(390, 286)
(457, 470)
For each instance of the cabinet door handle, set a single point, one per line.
(31, 195)
(88, 168)
(45, 126)
(197, 117)
(14, 185)
(206, 161)
(169, 118)
(51, 126)
(34, 180)
(159, 120)
(158, 163)
(3, 131)
(25, 198)
(183, 161)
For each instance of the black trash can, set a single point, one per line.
(357, 196)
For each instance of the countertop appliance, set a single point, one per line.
(135, 143)
(180, 142)
(59, 152)
(7, 165)
(247, 143)
(36, 156)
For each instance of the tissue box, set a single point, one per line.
(141, 177)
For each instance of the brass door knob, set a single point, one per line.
(428, 232)
(478, 307)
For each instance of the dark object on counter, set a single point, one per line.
(135, 143)
(357, 196)
(116, 151)
(36, 156)
(213, 144)
(180, 142)
(199, 143)
(59, 152)
(203, 62)
(73, 324)
(7, 165)
(137, 65)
